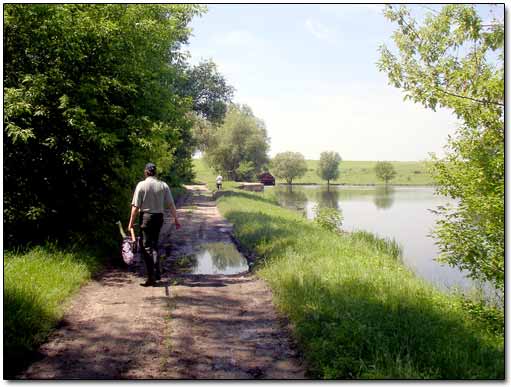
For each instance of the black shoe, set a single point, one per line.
(157, 277)
(148, 283)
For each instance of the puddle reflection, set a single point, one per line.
(219, 258)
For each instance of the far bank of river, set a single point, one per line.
(395, 212)
(352, 185)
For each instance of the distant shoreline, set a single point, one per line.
(359, 185)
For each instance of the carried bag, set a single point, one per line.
(129, 247)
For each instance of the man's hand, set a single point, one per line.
(178, 225)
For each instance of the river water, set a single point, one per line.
(400, 213)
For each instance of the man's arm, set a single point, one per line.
(136, 203)
(174, 214)
(134, 212)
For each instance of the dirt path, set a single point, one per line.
(189, 327)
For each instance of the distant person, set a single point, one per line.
(151, 198)
(219, 179)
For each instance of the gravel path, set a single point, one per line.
(189, 327)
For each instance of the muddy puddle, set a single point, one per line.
(218, 258)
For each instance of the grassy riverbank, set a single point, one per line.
(36, 285)
(352, 172)
(356, 311)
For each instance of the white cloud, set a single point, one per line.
(317, 29)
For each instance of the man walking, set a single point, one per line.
(151, 198)
(219, 179)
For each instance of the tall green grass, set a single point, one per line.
(357, 311)
(36, 285)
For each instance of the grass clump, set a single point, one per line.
(357, 311)
(36, 284)
(385, 245)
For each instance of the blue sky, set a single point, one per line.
(309, 72)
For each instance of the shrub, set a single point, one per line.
(328, 218)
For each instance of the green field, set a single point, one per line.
(362, 172)
(352, 172)
(356, 311)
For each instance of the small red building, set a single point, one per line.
(266, 178)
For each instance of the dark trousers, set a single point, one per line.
(150, 225)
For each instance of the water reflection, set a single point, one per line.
(288, 197)
(297, 198)
(219, 258)
(384, 197)
(327, 197)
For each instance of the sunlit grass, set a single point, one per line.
(204, 174)
(36, 285)
(362, 172)
(357, 312)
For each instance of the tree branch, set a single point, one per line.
(430, 9)
(411, 29)
(492, 25)
(484, 102)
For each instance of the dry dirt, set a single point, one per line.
(189, 327)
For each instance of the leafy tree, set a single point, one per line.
(246, 171)
(328, 167)
(288, 166)
(210, 92)
(241, 141)
(89, 97)
(455, 60)
(211, 95)
(384, 171)
(203, 131)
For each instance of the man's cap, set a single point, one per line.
(150, 167)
